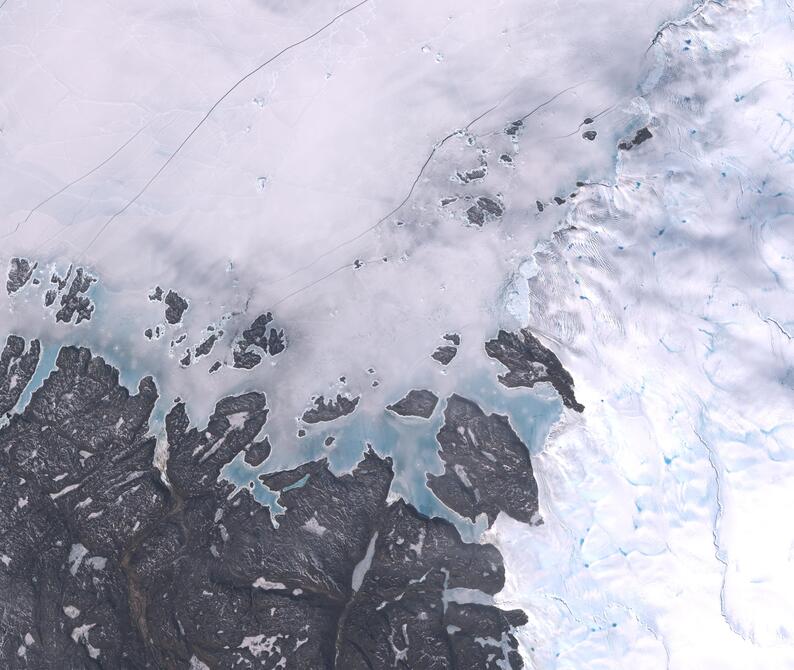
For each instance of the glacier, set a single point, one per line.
(670, 547)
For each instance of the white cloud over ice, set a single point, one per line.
(664, 284)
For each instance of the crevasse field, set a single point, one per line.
(616, 178)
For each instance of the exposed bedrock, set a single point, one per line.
(107, 562)
(176, 306)
(487, 469)
(529, 363)
(20, 270)
(16, 369)
(257, 341)
(330, 410)
(418, 402)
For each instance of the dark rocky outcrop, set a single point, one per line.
(107, 562)
(176, 306)
(529, 363)
(481, 636)
(16, 369)
(642, 135)
(483, 210)
(418, 402)
(444, 354)
(486, 465)
(20, 270)
(77, 489)
(398, 615)
(74, 303)
(205, 347)
(329, 410)
(453, 337)
(257, 341)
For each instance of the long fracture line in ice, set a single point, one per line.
(401, 204)
(73, 182)
(195, 129)
(352, 266)
(391, 212)
(414, 183)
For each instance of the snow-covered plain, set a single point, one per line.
(663, 285)
(668, 540)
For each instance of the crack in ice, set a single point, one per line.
(209, 112)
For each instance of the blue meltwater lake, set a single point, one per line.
(411, 442)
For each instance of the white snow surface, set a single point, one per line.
(667, 541)
(664, 286)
